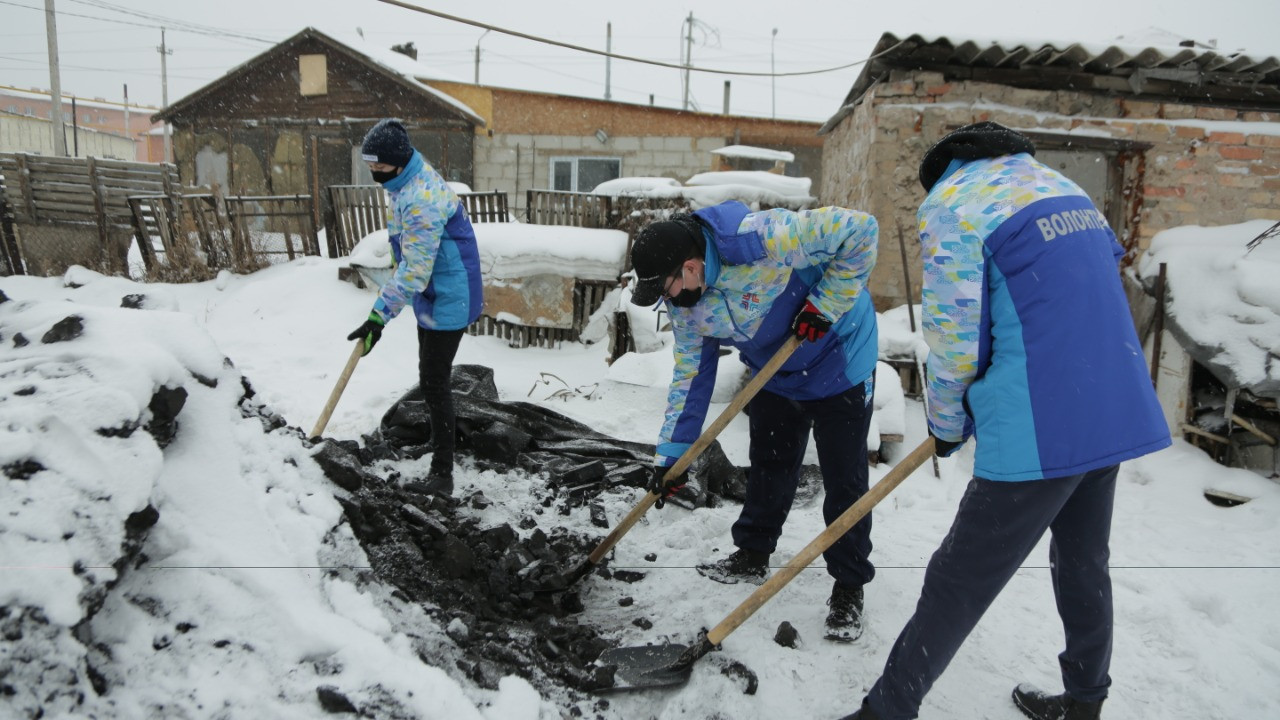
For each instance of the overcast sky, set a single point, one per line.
(107, 44)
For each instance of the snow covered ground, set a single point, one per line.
(240, 606)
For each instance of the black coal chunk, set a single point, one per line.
(333, 701)
(340, 465)
(68, 328)
(787, 635)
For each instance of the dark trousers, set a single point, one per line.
(779, 436)
(436, 350)
(995, 529)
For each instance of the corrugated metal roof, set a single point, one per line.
(1048, 64)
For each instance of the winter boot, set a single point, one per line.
(440, 480)
(742, 566)
(1039, 705)
(844, 620)
(863, 713)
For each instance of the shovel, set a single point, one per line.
(702, 443)
(652, 666)
(338, 388)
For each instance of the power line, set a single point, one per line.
(171, 23)
(629, 58)
(192, 29)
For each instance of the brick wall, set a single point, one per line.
(1205, 165)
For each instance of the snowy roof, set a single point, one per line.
(1181, 69)
(47, 96)
(1222, 300)
(400, 67)
(755, 188)
(754, 153)
(514, 250)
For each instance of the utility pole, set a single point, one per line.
(486, 32)
(75, 130)
(773, 78)
(165, 52)
(127, 133)
(688, 57)
(608, 48)
(55, 81)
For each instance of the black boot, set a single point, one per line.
(742, 566)
(1039, 705)
(863, 713)
(440, 480)
(844, 620)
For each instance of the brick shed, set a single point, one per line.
(1159, 136)
(533, 140)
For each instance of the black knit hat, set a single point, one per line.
(387, 142)
(659, 249)
(971, 142)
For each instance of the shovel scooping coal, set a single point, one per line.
(566, 579)
(654, 666)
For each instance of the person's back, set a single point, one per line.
(1022, 287)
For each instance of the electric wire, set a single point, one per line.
(629, 58)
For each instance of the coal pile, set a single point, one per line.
(507, 595)
(504, 594)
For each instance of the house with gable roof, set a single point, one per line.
(291, 119)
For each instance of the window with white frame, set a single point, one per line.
(583, 174)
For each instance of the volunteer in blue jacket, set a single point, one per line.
(731, 277)
(437, 271)
(1033, 353)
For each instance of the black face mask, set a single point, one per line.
(382, 177)
(686, 298)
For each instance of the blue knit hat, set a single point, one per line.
(387, 142)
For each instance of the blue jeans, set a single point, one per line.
(779, 436)
(995, 529)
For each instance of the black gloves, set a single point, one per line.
(370, 331)
(810, 324)
(664, 489)
(944, 448)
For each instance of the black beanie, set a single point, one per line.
(387, 142)
(971, 142)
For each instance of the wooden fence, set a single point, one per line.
(358, 210)
(232, 232)
(555, 207)
(88, 195)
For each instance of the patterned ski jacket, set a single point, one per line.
(760, 269)
(1032, 347)
(437, 261)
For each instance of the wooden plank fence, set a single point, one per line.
(90, 194)
(555, 207)
(359, 210)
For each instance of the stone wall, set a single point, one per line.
(1205, 165)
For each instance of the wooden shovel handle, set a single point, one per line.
(702, 443)
(356, 353)
(825, 539)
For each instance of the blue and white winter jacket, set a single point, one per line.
(1032, 347)
(437, 261)
(760, 269)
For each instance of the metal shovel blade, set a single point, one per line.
(647, 666)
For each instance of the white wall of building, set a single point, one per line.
(35, 135)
